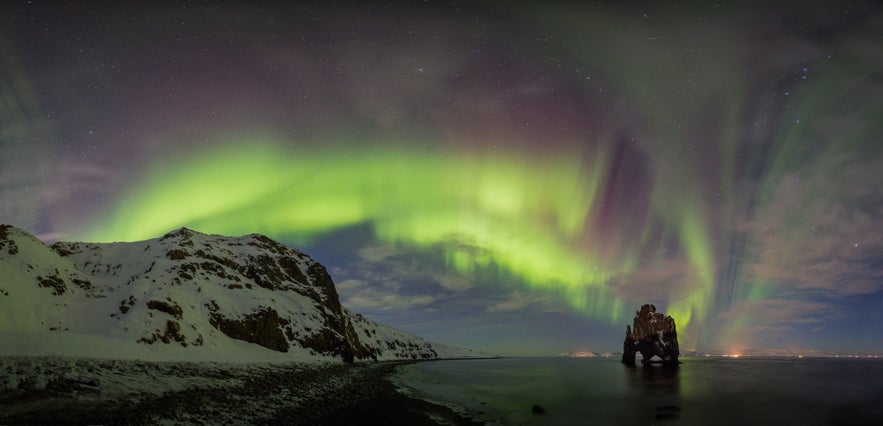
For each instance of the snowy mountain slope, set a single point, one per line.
(30, 272)
(389, 343)
(185, 292)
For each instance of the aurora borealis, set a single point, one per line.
(516, 179)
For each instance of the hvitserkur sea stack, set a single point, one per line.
(653, 334)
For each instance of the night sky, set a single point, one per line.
(514, 179)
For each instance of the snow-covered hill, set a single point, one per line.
(185, 295)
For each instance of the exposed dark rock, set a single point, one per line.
(83, 284)
(536, 409)
(65, 249)
(184, 236)
(326, 341)
(291, 268)
(278, 269)
(628, 347)
(230, 263)
(337, 320)
(53, 282)
(171, 334)
(323, 281)
(264, 272)
(177, 254)
(266, 243)
(653, 335)
(170, 308)
(5, 242)
(263, 327)
(213, 268)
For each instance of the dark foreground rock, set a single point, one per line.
(654, 335)
(88, 391)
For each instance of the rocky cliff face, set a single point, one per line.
(188, 289)
(653, 334)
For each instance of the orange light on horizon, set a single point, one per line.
(731, 355)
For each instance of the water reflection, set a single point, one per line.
(714, 391)
(656, 391)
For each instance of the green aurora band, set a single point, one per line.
(714, 171)
(704, 201)
(754, 145)
(488, 213)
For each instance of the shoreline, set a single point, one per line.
(45, 390)
(381, 402)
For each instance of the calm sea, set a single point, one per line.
(703, 391)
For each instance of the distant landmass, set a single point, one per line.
(185, 296)
(780, 353)
(588, 354)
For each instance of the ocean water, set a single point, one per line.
(703, 391)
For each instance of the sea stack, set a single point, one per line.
(653, 334)
(628, 347)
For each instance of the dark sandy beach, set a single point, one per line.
(85, 391)
(373, 399)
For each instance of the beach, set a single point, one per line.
(44, 390)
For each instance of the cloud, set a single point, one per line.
(361, 295)
(78, 179)
(348, 285)
(385, 278)
(822, 230)
(51, 237)
(518, 300)
(779, 311)
(377, 253)
(776, 322)
(29, 195)
(371, 299)
(663, 280)
(454, 282)
(22, 182)
(388, 266)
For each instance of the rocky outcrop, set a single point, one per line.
(171, 333)
(628, 347)
(263, 327)
(654, 335)
(7, 244)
